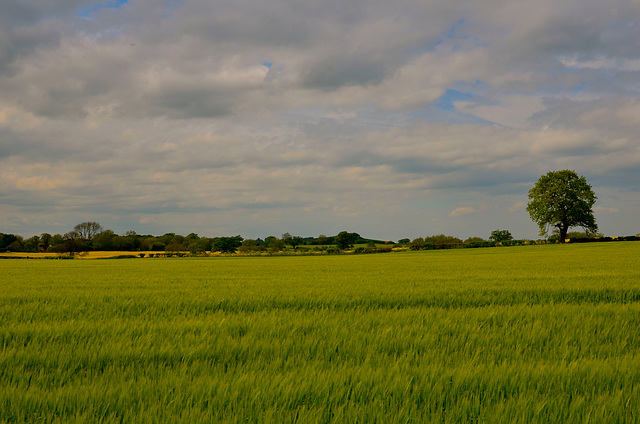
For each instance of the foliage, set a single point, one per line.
(104, 240)
(274, 244)
(73, 242)
(344, 239)
(581, 235)
(294, 241)
(175, 247)
(476, 244)
(443, 241)
(439, 241)
(249, 245)
(6, 240)
(500, 236)
(87, 230)
(560, 200)
(227, 244)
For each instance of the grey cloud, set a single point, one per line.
(166, 115)
(17, 12)
(28, 25)
(26, 145)
(189, 103)
(352, 69)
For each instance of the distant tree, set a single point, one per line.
(562, 199)
(344, 240)
(104, 240)
(7, 240)
(126, 243)
(73, 242)
(45, 241)
(500, 236)
(294, 241)
(417, 243)
(442, 241)
(474, 240)
(227, 244)
(249, 245)
(87, 230)
(178, 239)
(31, 244)
(174, 247)
(207, 243)
(56, 242)
(195, 246)
(157, 246)
(404, 241)
(11, 243)
(274, 244)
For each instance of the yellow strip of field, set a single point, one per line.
(81, 255)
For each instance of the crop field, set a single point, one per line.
(531, 334)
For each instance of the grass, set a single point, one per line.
(531, 334)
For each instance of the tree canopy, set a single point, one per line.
(345, 239)
(87, 230)
(500, 235)
(227, 244)
(561, 200)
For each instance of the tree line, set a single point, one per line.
(558, 201)
(91, 236)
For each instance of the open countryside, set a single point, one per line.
(319, 212)
(528, 334)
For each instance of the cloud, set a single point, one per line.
(517, 207)
(467, 209)
(601, 63)
(600, 209)
(238, 117)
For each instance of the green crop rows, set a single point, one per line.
(533, 334)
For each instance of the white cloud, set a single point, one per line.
(601, 63)
(517, 207)
(467, 209)
(600, 209)
(170, 119)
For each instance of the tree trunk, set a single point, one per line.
(563, 233)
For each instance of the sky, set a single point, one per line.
(391, 119)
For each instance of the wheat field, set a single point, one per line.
(531, 334)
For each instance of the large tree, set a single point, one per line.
(500, 235)
(344, 240)
(227, 244)
(87, 230)
(562, 199)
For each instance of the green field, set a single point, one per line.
(532, 334)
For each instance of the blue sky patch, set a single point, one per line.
(446, 101)
(86, 11)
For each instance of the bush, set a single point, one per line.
(475, 244)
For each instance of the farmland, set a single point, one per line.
(530, 334)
